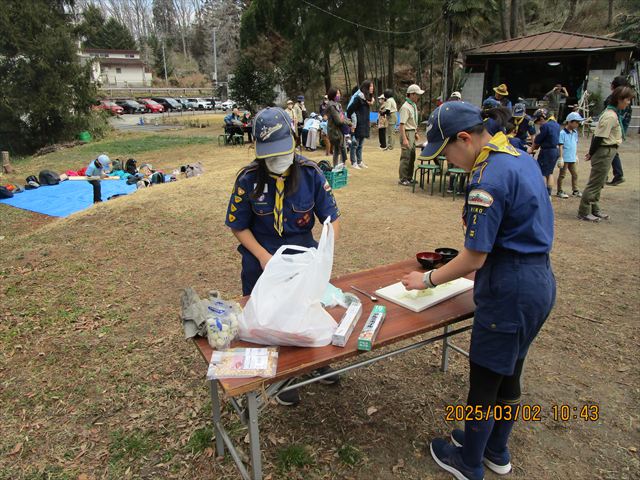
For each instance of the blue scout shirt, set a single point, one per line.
(313, 198)
(525, 127)
(549, 135)
(507, 205)
(569, 141)
(517, 143)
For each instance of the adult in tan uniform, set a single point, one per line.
(408, 134)
(604, 146)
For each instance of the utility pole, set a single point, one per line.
(215, 59)
(164, 62)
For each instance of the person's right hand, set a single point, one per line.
(405, 142)
(264, 260)
(587, 157)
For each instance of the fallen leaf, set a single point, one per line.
(371, 410)
(633, 449)
(208, 452)
(624, 369)
(246, 438)
(16, 449)
(83, 476)
(398, 466)
(272, 438)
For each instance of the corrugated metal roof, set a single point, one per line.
(553, 41)
(106, 50)
(118, 61)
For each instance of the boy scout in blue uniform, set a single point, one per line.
(274, 202)
(547, 140)
(523, 122)
(509, 233)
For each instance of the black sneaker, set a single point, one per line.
(332, 380)
(616, 181)
(288, 398)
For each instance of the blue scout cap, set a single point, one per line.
(574, 117)
(445, 122)
(273, 133)
(490, 103)
(540, 113)
(301, 98)
(519, 110)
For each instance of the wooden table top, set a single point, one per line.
(399, 324)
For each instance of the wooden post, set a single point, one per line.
(6, 165)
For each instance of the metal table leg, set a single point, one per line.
(215, 406)
(254, 436)
(445, 351)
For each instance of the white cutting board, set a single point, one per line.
(419, 300)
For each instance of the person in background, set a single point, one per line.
(513, 140)
(455, 97)
(337, 124)
(233, 125)
(246, 125)
(382, 122)
(322, 110)
(608, 135)
(275, 201)
(324, 135)
(616, 165)
(555, 97)
(98, 169)
(525, 129)
(392, 120)
(567, 149)
(490, 103)
(301, 115)
(292, 116)
(501, 95)
(409, 134)
(361, 107)
(547, 141)
(312, 126)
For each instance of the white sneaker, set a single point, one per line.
(357, 167)
(363, 165)
(561, 194)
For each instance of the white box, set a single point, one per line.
(347, 323)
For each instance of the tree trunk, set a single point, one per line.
(610, 16)
(345, 68)
(327, 66)
(570, 17)
(504, 21)
(523, 26)
(360, 44)
(515, 10)
(391, 57)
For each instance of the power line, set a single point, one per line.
(372, 28)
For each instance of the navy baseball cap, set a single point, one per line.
(273, 133)
(446, 121)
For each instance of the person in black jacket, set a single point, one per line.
(360, 105)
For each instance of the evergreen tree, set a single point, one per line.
(251, 85)
(45, 94)
(99, 32)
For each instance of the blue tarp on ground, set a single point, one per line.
(65, 198)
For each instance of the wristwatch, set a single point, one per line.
(426, 280)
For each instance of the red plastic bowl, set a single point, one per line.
(428, 259)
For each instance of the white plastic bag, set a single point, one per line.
(284, 308)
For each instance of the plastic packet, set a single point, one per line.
(222, 323)
(243, 363)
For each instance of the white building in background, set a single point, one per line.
(116, 68)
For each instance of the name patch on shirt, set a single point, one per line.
(480, 198)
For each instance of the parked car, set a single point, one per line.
(229, 104)
(186, 104)
(169, 104)
(131, 106)
(201, 103)
(151, 106)
(218, 105)
(109, 106)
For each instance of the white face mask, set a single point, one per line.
(280, 163)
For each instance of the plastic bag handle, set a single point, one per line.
(290, 247)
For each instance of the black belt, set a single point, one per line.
(609, 146)
(498, 255)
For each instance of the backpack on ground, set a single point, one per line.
(48, 177)
(157, 177)
(31, 182)
(5, 192)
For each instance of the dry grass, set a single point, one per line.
(98, 380)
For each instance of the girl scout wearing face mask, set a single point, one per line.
(276, 198)
(509, 233)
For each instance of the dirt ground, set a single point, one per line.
(97, 381)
